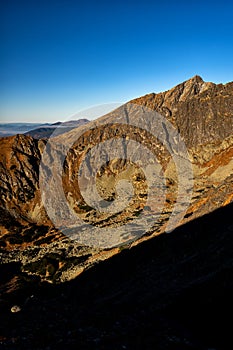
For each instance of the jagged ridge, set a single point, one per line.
(201, 111)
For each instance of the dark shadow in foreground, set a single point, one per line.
(172, 292)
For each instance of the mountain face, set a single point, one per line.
(201, 113)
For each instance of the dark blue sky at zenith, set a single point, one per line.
(58, 57)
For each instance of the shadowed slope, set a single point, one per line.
(172, 292)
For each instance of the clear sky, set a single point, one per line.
(58, 57)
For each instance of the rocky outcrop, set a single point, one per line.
(19, 177)
(202, 114)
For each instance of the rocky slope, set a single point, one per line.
(202, 114)
(173, 292)
(201, 111)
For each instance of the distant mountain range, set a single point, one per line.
(10, 129)
(39, 130)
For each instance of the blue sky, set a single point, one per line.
(59, 57)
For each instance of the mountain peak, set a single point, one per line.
(195, 79)
(191, 87)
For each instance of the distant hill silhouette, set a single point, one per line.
(59, 127)
(39, 130)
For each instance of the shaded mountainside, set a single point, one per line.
(172, 292)
(202, 112)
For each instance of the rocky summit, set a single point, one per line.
(175, 149)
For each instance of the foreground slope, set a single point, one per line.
(172, 292)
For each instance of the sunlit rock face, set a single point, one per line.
(34, 229)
